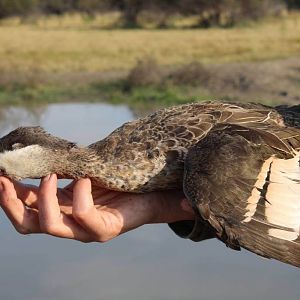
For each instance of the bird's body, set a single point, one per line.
(238, 164)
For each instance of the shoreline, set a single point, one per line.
(149, 84)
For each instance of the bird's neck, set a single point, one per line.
(115, 174)
(138, 175)
(35, 161)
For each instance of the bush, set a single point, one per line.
(16, 7)
(210, 12)
(293, 3)
(193, 74)
(230, 12)
(146, 72)
(57, 7)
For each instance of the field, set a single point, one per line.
(45, 57)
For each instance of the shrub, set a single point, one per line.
(146, 72)
(230, 12)
(16, 7)
(193, 74)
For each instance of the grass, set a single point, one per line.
(82, 48)
(151, 85)
(72, 58)
(164, 95)
(113, 92)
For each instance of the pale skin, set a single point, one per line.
(85, 213)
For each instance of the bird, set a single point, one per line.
(237, 164)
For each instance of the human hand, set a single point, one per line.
(87, 214)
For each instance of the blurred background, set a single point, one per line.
(149, 53)
(80, 68)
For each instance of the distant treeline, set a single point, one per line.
(211, 12)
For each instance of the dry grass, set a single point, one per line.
(276, 81)
(80, 47)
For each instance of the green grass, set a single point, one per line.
(45, 94)
(113, 92)
(142, 99)
(150, 95)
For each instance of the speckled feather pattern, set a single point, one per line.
(156, 146)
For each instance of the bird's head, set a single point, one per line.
(30, 152)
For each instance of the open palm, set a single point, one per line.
(85, 213)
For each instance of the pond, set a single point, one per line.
(148, 263)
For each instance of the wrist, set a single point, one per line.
(171, 206)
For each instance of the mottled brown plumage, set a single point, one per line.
(223, 155)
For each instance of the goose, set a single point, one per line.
(237, 164)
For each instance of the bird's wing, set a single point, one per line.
(245, 183)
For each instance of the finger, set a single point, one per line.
(48, 202)
(52, 221)
(99, 194)
(98, 223)
(25, 220)
(28, 194)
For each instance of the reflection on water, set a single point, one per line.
(12, 117)
(149, 263)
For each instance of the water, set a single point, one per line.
(148, 263)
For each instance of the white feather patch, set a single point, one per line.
(283, 195)
(282, 208)
(255, 195)
(24, 162)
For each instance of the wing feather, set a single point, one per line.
(245, 183)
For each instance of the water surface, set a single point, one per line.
(148, 263)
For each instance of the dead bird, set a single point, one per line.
(238, 164)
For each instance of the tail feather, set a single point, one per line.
(269, 246)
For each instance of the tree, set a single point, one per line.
(92, 6)
(293, 3)
(57, 7)
(16, 7)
